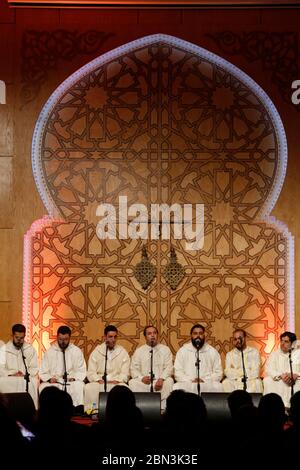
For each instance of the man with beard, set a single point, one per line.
(162, 366)
(198, 365)
(242, 366)
(19, 365)
(63, 366)
(278, 377)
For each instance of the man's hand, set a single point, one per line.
(18, 374)
(53, 380)
(146, 380)
(195, 381)
(158, 385)
(288, 379)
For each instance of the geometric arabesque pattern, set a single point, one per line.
(160, 121)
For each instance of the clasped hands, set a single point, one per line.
(288, 379)
(158, 384)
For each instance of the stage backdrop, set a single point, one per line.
(159, 120)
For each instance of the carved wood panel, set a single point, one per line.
(160, 120)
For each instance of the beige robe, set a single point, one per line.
(162, 369)
(117, 368)
(277, 364)
(210, 369)
(11, 361)
(234, 370)
(53, 366)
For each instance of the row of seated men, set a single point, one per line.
(197, 367)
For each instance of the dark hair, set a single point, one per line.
(241, 330)
(198, 325)
(109, 328)
(292, 337)
(64, 330)
(295, 409)
(237, 399)
(149, 326)
(18, 328)
(56, 407)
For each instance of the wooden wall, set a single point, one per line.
(40, 48)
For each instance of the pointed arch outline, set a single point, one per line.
(129, 47)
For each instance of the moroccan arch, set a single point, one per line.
(159, 120)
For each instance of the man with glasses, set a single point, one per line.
(242, 366)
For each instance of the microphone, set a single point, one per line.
(197, 342)
(23, 355)
(291, 348)
(240, 347)
(65, 375)
(151, 366)
(104, 376)
(240, 343)
(26, 376)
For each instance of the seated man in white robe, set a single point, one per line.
(162, 367)
(19, 365)
(63, 366)
(278, 377)
(242, 366)
(108, 366)
(198, 365)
